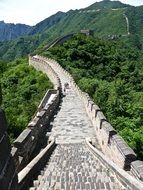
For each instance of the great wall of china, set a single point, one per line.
(69, 144)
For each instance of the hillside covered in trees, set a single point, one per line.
(107, 19)
(22, 89)
(111, 72)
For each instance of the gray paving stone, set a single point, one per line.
(77, 175)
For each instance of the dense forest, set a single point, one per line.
(111, 72)
(22, 89)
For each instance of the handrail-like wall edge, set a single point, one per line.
(126, 179)
(33, 168)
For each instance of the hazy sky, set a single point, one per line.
(33, 11)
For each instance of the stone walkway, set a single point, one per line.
(72, 166)
(71, 124)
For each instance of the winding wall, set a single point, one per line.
(112, 145)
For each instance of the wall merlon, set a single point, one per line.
(123, 147)
(108, 128)
(41, 114)
(14, 152)
(46, 97)
(47, 106)
(90, 104)
(95, 107)
(23, 138)
(15, 156)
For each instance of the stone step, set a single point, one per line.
(75, 169)
(36, 183)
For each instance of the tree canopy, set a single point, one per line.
(111, 72)
(22, 87)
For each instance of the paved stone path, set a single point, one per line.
(72, 166)
(71, 124)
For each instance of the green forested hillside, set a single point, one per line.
(111, 72)
(22, 88)
(47, 23)
(106, 18)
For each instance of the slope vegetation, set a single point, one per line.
(111, 73)
(22, 88)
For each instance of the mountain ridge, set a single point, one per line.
(10, 31)
(107, 4)
(106, 18)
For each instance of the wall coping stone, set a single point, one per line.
(108, 128)
(22, 138)
(14, 152)
(123, 147)
(33, 166)
(40, 114)
(34, 122)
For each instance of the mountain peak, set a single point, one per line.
(108, 4)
